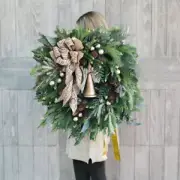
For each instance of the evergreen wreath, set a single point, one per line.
(63, 65)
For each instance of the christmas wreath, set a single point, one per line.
(87, 80)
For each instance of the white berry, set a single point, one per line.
(59, 80)
(56, 100)
(106, 97)
(123, 41)
(73, 38)
(80, 115)
(92, 48)
(75, 119)
(61, 74)
(108, 103)
(117, 67)
(101, 51)
(118, 71)
(51, 83)
(121, 53)
(101, 100)
(98, 46)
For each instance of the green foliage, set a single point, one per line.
(61, 33)
(117, 34)
(101, 113)
(114, 56)
(44, 40)
(79, 33)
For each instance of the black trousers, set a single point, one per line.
(84, 171)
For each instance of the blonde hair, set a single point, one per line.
(92, 20)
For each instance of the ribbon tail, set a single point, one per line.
(115, 143)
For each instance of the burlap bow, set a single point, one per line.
(68, 53)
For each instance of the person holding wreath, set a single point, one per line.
(89, 156)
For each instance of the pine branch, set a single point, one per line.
(43, 40)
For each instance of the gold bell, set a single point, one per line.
(89, 91)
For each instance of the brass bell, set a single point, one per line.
(89, 91)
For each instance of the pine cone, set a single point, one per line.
(94, 54)
(112, 96)
(81, 107)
